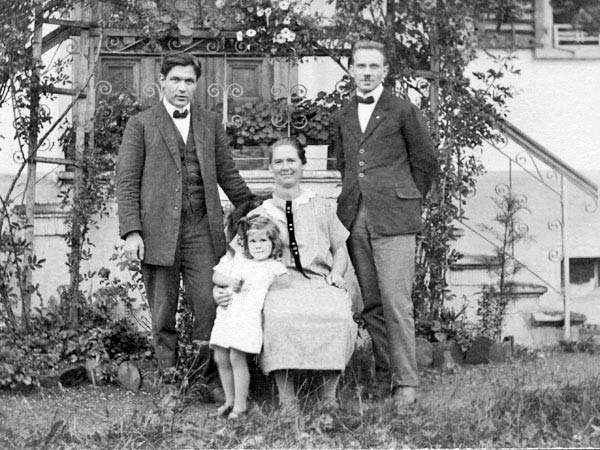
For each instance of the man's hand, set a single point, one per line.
(336, 280)
(134, 246)
(222, 296)
(236, 286)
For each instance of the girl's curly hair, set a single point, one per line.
(258, 222)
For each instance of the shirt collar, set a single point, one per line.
(375, 93)
(171, 109)
(275, 206)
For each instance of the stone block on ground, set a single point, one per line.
(129, 376)
(447, 355)
(424, 352)
(479, 351)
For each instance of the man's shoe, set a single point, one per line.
(404, 397)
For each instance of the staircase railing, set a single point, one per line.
(534, 154)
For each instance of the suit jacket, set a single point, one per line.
(149, 180)
(392, 164)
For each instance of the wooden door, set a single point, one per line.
(135, 75)
(139, 75)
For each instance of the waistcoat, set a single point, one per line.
(192, 189)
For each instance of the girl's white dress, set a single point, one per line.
(239, 326)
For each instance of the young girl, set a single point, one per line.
(237, 330)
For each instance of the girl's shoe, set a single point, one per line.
(223, 410)
(234, 415)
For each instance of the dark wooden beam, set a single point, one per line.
(57, 36)
(71, 23)
(46, 160)
(65, 91)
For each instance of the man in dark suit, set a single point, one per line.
(387, 161)
(172, 159)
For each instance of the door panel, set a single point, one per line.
(137, 76)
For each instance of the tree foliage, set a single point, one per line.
(507, 230)
(431, 44)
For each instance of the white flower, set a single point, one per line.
(284, 5)
(286, 21)
(219, 4)
(279, 39)
(250, 32)
(291, 36)
(260, 11)
(239, 35)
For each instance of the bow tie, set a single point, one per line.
(180, 115)
(366, 100)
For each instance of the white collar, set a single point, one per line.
(375, 93)
(171, 109)
(274, 206)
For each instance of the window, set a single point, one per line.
(584, 270)
(584, 275)
(561, 33)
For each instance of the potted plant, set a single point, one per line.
(254, 126)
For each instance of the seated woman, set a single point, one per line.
(308, 323)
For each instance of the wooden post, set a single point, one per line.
(564, 205)
(81, 64)
(434, 100)
(34, 108)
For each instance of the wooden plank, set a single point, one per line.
(57, 36)
(71, 23)
(66, 91)
(47, 160)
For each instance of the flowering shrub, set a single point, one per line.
(282, 28)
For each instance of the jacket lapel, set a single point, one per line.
(199, 130)
(351, 120)
(166, 127)
(380, 111)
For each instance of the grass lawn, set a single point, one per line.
(549, 399)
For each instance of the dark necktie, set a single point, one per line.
(366, 100)
(293, 244)
(180, 115)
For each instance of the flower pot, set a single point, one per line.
(316, 156)
(250, 158)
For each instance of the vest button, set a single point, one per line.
(361, 175)
(361, 163)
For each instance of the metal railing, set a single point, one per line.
(555, 176)
(566, 34)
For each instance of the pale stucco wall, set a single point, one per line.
(557, 104)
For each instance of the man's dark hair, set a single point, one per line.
(171, 60)
(369, 45)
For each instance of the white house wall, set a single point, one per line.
(557, 104)
(8, 144)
